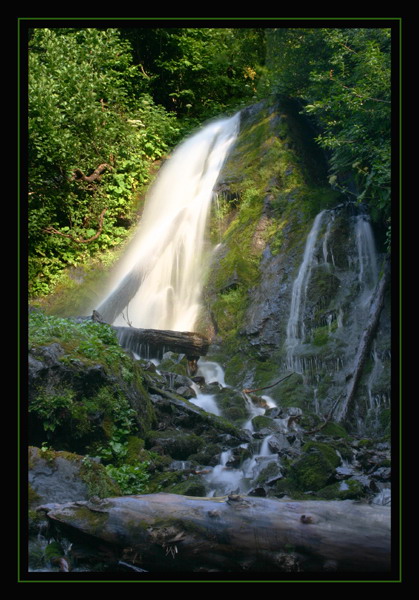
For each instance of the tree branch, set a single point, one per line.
(78, 174)
(54, 231)
(246, 391)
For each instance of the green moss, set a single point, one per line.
(320, 336)
(134, 450)
(322, 286)
(271, 471)
(313, 470)
(174, 363)
(175, 443)
(54, 550)
(292, 392)
(33, 497)
(366, 443)
(385, 420)
(92, 522)
(327, 451)
(160, 482)
(96, 391)
(97, 480)
(262, 422)
(335, 430)
(350, 489)
(232, 405)
(286, 486)
(191, 487)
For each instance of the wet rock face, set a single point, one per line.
(278, 195)
(267, 309)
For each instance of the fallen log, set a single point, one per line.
(173, 533)
(153, 343)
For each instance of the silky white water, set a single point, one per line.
(295, 325)
(367, 255)
(158, 284)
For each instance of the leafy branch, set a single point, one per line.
(53, 231)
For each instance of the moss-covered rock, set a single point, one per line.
(59, 476)
(313, 470)
(261, 422)
(177, 444)
(350, 489)
(194, 486)
(174, 363)
(328, 452)
(83, 388)
(232, 405)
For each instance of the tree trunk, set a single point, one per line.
(172, 533)
(155, 342)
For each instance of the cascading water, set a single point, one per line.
(159, 282)
(295, 326)
(339, 319)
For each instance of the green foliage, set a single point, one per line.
(51, 408)
(116, 448)
(131, 478)
(64, 409)
(83, 113)
(199, 72)
(342, 78)
(87, 338)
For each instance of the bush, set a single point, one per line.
(86, 109)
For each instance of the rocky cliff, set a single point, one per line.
(293, 274)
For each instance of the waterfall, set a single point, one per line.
(158, 284)
(367, 255)
(295, 326)
(340, 319)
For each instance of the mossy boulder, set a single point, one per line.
(269, 474)
(261, 422)
(177, 444)
(83, 387)
(315, 468)
(193, 486)
(174, 363)
(350, 489)
(232, 405)
(59, 476)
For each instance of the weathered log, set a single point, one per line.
(168, 532)
(153, 343)
(376, 307)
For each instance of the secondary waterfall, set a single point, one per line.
(158, 284)
(330, 301)
(295, 326)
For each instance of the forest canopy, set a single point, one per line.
(105, 103)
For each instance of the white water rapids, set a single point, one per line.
(158, 284)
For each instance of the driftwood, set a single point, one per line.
(169, 533)
(376, 307)
(153, 343)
